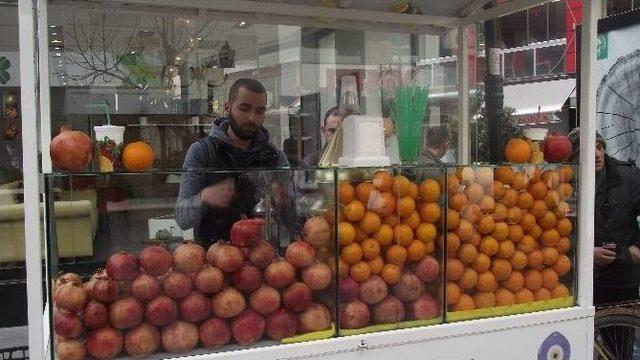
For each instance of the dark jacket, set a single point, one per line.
(617, 206)
(202, 166)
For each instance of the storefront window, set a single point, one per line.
(537, 17)
(518, 64)
(618, 6)
(557, 21)
(514, 30)
(550, 60)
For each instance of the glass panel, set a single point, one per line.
(518, 64)
(514, 30)
(558, 11)
(537, 17)
(550, 60)
(618, 6)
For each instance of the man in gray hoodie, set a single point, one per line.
(210, 200)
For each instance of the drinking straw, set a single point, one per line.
(408, 111)
(104, 107)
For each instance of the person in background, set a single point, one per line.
(437, 146)
(330, 124)
(210, 202)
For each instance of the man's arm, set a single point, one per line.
(188, 210)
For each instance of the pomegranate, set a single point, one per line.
(104, 343)
(226, 257)
(143, 340)
(349, 289)
(373, 290)
(248, 327)
(177, 285)
(262, 254)
(68, 278)
(105, 290)
(423, 308)
(96, 315)
(156, 260)
(354, 315)
(145, 287)
(215, 333)
(279, 274)
(281, 324)
(318, 276)
(390, 310)
(67, 325)
(161, 311)
(317, 231)
(125, 288)
(317, 317)
(297, 297)
(247, 279)
(227, 303)
(409, 287)
(247, 232)
(88, 288)
(188, 257)
(126, 313)
(70, 349)
(179, 336)
(265, 300)
(300, 254)
(209, 280)
(427, 269)
(70, 297)
(122, 266)
(195, 307)
(71, 150)
(557, 148)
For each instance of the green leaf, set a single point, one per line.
(4, 77)
(5, 64)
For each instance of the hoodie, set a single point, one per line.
(202, 165)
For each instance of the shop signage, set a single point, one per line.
(535, 119)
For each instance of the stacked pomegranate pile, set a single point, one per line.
(160, 300)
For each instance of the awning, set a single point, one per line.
(538, 97)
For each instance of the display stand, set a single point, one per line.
(507, 337)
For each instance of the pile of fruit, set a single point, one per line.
(508, 236)
(387, 230)
(556, 148)
(238, 291)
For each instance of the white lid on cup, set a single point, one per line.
(113, 132)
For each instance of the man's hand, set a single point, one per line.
(634, 251)
(220, 194)
(602, 256)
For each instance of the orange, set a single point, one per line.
(430, 212)
(500, 231)
(416, 250)
(376, 264)
(486, 224)
(519, 260)
(360, 235)
(426, 232)
(565, 173)
(382, 180)
(353, 211)
(430, 247)
(481, 263)
(487, 204)
(137, 156)
(551, 255)
(535, 259)
(565, 190)
(533, 280)
(484, 176)
(467, 253)
(538, 190)
(514, 215)
(486, 282)
(517, 151)
(506, 250)
(469, 279)
(472, 213)
(455, 268)
(453, 243)
(465, 303)
(360, 272)
(562, 265)
(564, 244)
(351, 253)
(525, 200)
(505, 297)
(346, 193)
(384, 235)
(331, 216)
(514, 282)
(414, 191)
(527, 244)
(391, 220)
(453, 293)
(396, 254)
(370, 248)
(457, 201)
(562, 210)
(370, 222)
(402, 234)
(484, 299)
(560, 291)
(390, 273)
(453, 219)
(401, 186)
(501, 269)
(466, 175)
(475, 238)
(363, 190)
(489, 246)
(535, 231)
(548, 221)
(430, 190)
(453, 184)
(346, 233)
(524, 296)
(510, 198)
(474, 192)
(550, 237)
(464, 230)
(549, 279)
(382, 204)
(497, 189)
(500, 212)
(564, 227)
(533, 172)
(542, 294)
(515, 233)
(412, 220)
(528, 221)
(552, 199)
(550, 178)
(405, 206)
(504, 174)
(520, 181)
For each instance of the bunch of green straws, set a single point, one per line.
(409, 110)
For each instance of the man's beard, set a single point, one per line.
(246, 132)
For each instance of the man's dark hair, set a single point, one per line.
(437, 136)
(336, 111)
(245, 83)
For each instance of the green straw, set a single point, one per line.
(408, 111)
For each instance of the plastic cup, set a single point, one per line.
(110, 139)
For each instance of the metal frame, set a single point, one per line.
(30, 110)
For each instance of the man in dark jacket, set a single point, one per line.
(210, 201)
